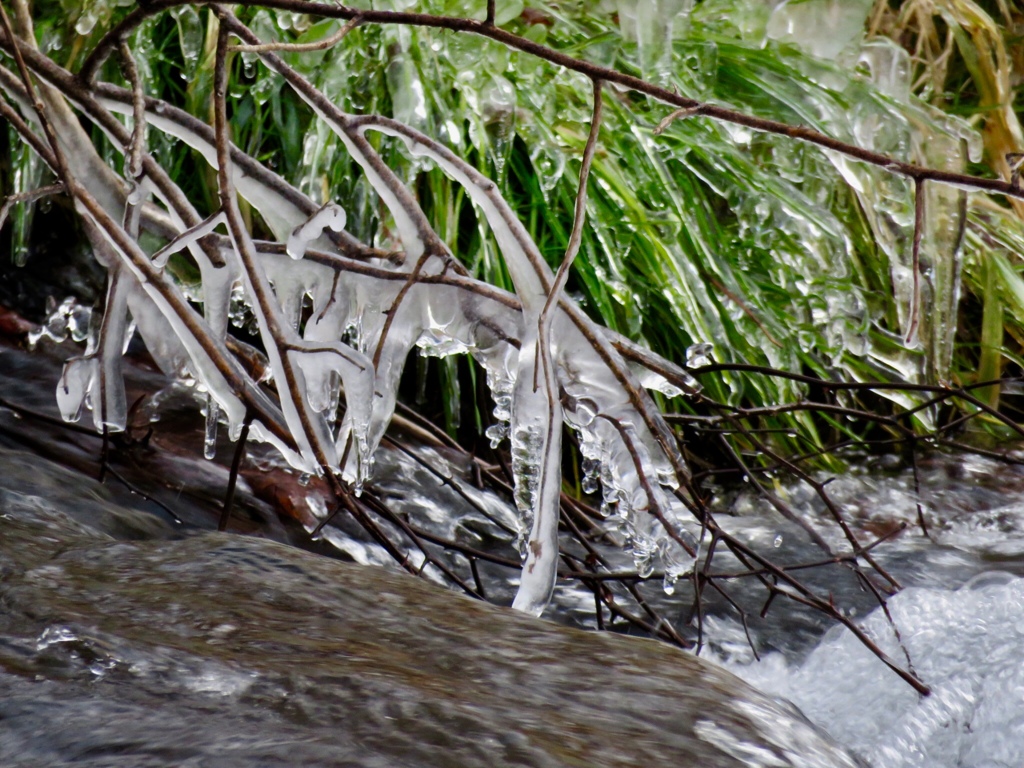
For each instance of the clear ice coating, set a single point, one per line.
(699, 355)
(330, 215)
(67, 319)
(338, 325)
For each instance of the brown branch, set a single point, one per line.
(319, 45)
(236, 462)
(590, 70)
(803, 595)
(575, 239)
(137, 146)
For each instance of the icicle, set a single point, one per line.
(74, 385)
(210, 435)
(624, 441)
(629, 452)
(537, 471)
(95, 381)
(391, 357)
(113, 406)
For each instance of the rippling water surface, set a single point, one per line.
(129, 635)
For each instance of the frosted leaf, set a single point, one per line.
(507, 10)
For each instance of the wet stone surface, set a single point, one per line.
(126, 642)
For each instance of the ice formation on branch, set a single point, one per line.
(317, 285)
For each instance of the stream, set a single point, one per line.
(132, 634)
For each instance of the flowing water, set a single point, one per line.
(129, 635)
(960, 621)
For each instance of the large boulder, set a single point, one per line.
(124, 642)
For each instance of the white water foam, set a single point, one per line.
(966, 644)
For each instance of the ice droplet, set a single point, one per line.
(699, 355)
(86, 22)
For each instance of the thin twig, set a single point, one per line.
(236, 462)
(152, 500)
(319, 45)
(676, 114)
(137, 147)
(575, 239)
(28, 197)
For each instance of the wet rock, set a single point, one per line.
(124, 643)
